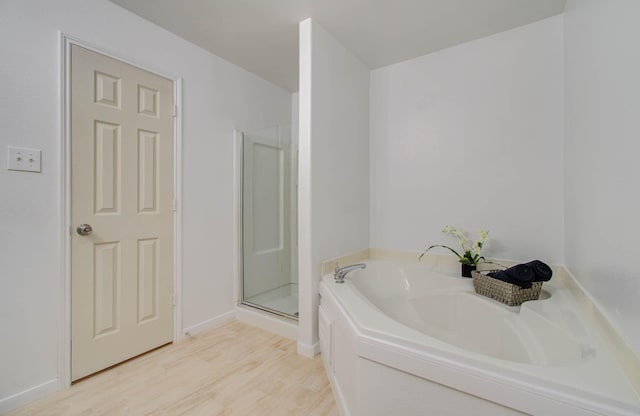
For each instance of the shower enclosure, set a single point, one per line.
(269, 278)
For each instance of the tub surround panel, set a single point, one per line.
(602, 68)
(443, 263)
(472, 136)
(329, 266)
(381, 400)
(616, 342)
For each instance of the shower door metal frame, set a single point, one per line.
(239, 225)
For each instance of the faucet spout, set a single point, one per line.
(341, 272)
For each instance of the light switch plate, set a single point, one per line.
(24, 159)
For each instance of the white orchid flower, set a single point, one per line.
(471, 255)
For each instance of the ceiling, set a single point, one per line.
(262, 35)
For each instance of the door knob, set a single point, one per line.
(84, 229)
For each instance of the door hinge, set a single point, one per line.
(175, 205)
(174, 300)
(175, 110)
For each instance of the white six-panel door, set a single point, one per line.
(122, 145)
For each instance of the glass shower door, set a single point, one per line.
(269, 221)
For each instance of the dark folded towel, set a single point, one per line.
(541, 271)
(520, 275)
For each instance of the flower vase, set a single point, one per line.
(467, 269)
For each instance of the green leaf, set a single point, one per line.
(438, 245)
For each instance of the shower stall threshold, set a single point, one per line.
(269, 321)
(282, 301)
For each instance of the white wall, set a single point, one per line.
(602, 148)
(333, 165)
(472, 136)
(218, 97)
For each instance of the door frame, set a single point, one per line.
(64, 345)
(238, 144)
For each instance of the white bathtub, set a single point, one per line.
(400, 339)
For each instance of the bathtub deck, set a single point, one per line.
(235, 369)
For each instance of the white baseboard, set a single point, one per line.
(309, 350)
(209, 323)
(29, 395)
(268, 322)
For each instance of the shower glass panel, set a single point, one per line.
(269, 221)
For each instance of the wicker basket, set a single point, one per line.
(507, 293)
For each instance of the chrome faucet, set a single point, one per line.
(341, 272)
